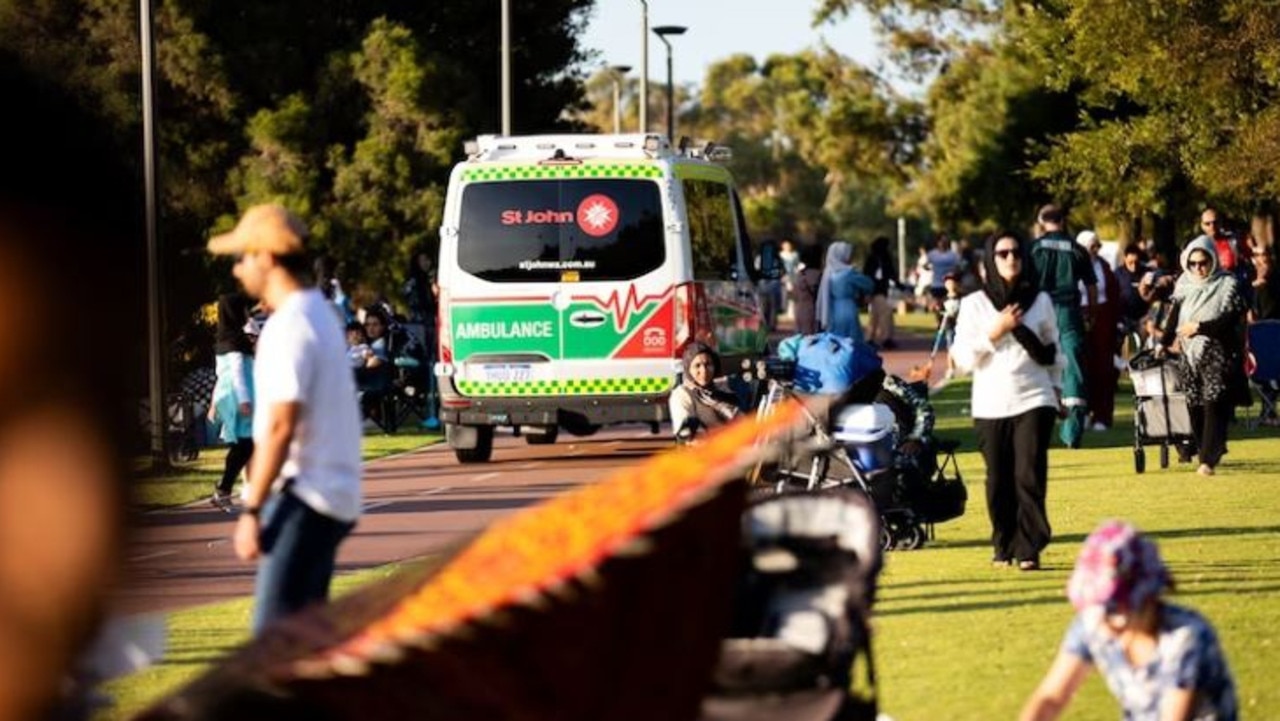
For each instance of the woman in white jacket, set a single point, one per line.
(1007, 337)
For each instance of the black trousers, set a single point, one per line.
(237, 456)
(1016, 451)
(1209, 426)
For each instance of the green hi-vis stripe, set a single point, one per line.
(558, 172)
(584, 387)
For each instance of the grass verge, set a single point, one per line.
(194, 481)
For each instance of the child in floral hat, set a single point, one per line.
(1160, 660)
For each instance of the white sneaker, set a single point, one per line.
(1098, 427)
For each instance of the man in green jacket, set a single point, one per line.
(1060, 265)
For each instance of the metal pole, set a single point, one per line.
(506, 67)
(644, 69)
(902, 249)
(671, 97)
(617, 105)
(155, 360)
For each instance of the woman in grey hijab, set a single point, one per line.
(1205, 321)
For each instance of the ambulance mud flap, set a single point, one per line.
(461, 437)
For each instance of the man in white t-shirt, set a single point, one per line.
(303, 493)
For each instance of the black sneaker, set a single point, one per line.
(223, 502)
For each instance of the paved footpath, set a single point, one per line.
(415, 503)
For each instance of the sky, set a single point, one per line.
(718, 29)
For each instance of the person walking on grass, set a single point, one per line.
(303, 493)
(1061, 267)
(1161, 661)
(232, 404)
(1206, 323)
(1006, 337)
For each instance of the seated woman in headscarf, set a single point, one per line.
(840, 291)
(1206, 319)
(698, 402)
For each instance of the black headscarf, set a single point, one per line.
(1023, 291)
(233, 314)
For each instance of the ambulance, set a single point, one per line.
(574, 270)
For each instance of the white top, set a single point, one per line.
(1006, 381)
(1098, 264)
(301, 357)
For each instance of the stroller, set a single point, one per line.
(857, 448)
(799, 646)
(1161, 413)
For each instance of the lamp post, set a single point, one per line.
(644, 67)
(662, 31)
(506, 67)
(615, 73)
(155, 364)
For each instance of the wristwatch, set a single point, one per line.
(254, 511)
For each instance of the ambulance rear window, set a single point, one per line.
(553, 230)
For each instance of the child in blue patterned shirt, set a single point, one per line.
(1161, 661)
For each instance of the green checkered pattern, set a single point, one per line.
(560, 172)
(583, 387)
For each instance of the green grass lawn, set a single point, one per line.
(956, 639)
(194, 481)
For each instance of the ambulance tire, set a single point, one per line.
(483, 450)
(540, 435)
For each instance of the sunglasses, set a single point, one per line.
(1198, 264)
(1006, 254)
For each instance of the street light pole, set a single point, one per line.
(662, 31)
(506, 67)
(644, 68)
(155, 363)
(616, 72)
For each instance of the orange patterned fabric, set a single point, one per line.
(519, 559)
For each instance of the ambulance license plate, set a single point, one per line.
(506, 372)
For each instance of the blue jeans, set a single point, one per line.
(299, 548)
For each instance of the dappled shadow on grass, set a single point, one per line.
(1006, 601)
(1077, 538)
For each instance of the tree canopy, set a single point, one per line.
(349, 113)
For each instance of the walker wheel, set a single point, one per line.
(1139, 460)
(1164, 455)
(886, 538)
(912, 538)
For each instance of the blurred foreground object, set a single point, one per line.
(67, 318)
(608, 602)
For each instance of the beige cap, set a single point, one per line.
(270, 228)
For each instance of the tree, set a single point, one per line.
(814, 136)
(349, 112)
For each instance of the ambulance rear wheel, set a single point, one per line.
(483, 449)
(540, 435)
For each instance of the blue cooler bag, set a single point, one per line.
(827, 363)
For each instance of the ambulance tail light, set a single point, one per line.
(692, 318)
